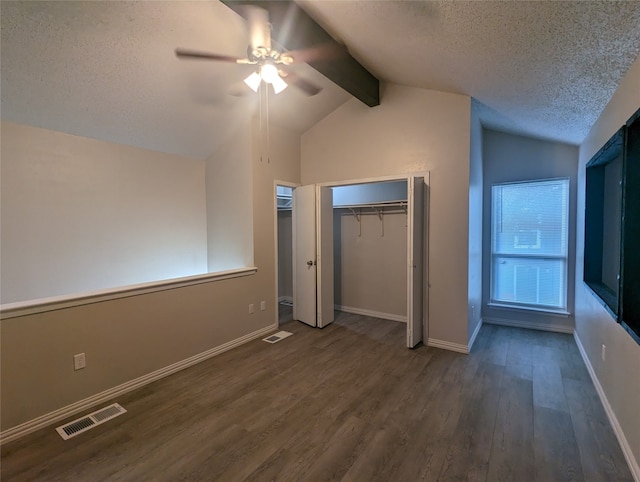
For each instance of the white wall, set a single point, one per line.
(80, 214)
(510, 157)
(413, 130)
(229, 203)
(131, 337)
(474, 301)
(618, 376)
(283, 150)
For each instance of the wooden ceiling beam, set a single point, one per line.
(294, 29)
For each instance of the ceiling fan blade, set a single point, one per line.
(194, 54)
(304, 85)
(317, 53)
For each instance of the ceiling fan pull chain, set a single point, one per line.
(260, 120)
(266, 89)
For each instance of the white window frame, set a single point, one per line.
(564, 257)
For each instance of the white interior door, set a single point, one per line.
(304, 255)
(324, 216)
(415, 254)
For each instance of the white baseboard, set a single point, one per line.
(472, 340)
(617, 429)
(447, 345)
(529, 324)
(81, 405)
(373, 314)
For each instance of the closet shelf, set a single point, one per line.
(375, 205)
(379, 208)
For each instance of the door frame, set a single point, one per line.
(417, 225)
(369, 180)
(292, 185)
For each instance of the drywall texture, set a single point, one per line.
(370, 262)
(131, 337)
(278, 159)
(618, 375)
(229, 198)
(547, 67)
(413, 130)
(474, 301)
(123, 339)
(81, 214)
(507, 158)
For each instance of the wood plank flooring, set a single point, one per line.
(350, 403)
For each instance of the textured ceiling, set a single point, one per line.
(107, 69)
(544, 68)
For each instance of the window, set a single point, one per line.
(529, 240)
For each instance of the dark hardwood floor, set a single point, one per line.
(350, 403)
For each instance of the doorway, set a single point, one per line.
(378, 251)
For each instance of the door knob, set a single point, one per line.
(309, 263)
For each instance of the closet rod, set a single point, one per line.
(371, 205)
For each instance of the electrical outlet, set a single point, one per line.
(251, 308)
(263, 305)
(79, 361)
(604, 352)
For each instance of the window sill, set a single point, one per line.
(24, 308)
(550, 311)
(605, 296)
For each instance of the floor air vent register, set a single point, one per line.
(90, 421)
(276, 337)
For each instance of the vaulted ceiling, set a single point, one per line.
(107, 69)
(545, 68)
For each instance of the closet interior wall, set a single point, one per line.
(370, 255)
(285, 256)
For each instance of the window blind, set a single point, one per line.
(529, 243)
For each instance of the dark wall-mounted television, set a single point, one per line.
(612, 225)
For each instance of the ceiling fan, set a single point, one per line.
(272, 65)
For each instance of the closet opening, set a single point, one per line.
(370, 249)
(355, 247)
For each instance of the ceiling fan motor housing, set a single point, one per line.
(259, 29)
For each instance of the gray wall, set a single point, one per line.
(285, 255)
(371, 268)
(370, 193)
(617, 376)
(474, 301)
(507, 158)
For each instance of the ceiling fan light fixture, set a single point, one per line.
(253, 81)
(278, 84)
(269, 72)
